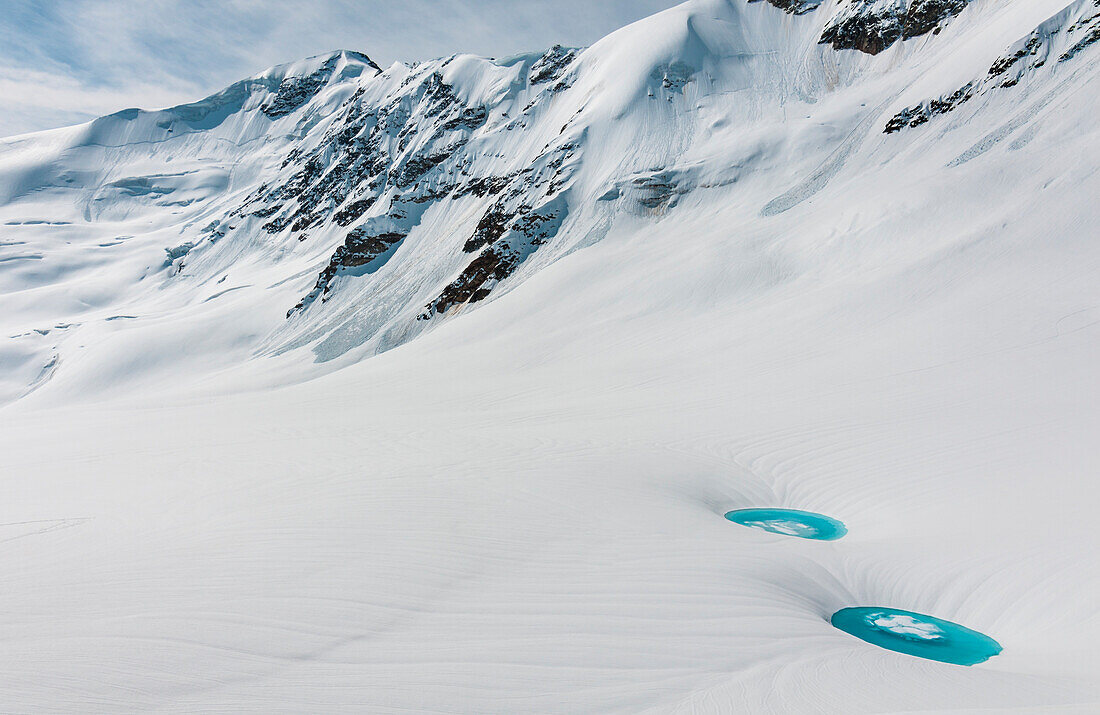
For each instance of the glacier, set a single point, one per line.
(427, 387)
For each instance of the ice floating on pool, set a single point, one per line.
(916, 634)
(790, 522)
(906, 626)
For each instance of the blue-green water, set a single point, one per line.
(916, 634)
(790, 522)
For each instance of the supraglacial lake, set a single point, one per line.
(790, 522)
(916, 634)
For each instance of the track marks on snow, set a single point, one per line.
(1025, 116)
(22, 529)
(832, 165)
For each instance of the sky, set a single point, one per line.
(67, 61)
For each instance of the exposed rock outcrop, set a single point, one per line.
(510, 239)
(360, 248)
(871, 26)
(367, 152)
(794, 7)
(552, 65)
(919, 114)
(1024, 57)
(674, 76)
(1087, 29)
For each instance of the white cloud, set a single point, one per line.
(34, 100)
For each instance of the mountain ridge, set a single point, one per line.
(393, 199)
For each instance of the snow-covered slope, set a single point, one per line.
(836, 256)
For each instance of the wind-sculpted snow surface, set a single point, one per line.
(428, 388)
